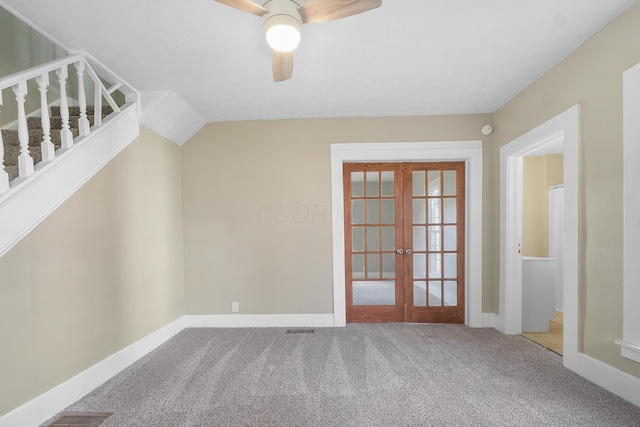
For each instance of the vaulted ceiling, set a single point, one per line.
(408, 57)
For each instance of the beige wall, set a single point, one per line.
(257, 208)
(591, 77)
(554, 170)
(104, 270)
(21, 47)
(540, 173)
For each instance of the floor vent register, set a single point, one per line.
(80, 420)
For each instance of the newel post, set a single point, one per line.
(25, 161)
(48, 150)
(66, 137)
(4, 176)
(83, 121)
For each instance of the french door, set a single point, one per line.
(404, 242)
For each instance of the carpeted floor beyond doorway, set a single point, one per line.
(361, 375)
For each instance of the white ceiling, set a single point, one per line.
(408, 57)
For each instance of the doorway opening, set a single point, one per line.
(561, 131)
(542, 241)
(469, 152)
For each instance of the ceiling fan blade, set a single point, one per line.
(328, 10)
(282, 66)
(245, 6)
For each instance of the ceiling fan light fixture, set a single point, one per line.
(282, 32)
(283, 19)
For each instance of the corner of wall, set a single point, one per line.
(169, 115)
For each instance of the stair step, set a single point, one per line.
(12, 171)
(12, 143)
(75, 111)
(56, 122)
(10, 137)
(12, 152)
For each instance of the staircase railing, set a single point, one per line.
(18, 83)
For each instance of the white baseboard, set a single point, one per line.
(606, 376)
(630, 351)
(489, 320)
(259, 320)
(48, 404)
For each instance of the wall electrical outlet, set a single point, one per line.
(235, 307)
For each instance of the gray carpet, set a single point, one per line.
(361, 375)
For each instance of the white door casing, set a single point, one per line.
(631, 143)
(563, 129)
(468, 151)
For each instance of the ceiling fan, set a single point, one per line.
(283, 19)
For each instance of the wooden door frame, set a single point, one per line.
(469, 152)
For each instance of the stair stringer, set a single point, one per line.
(29, 203)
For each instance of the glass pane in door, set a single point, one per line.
(388, 183)
(450, 210)
(357, 184)
(357, 239)
(373, 211)
(419, 238)
(450, 293)
(357, 211)
(388, 238)
(373, 184)
(419, 293)
(374, 292)
(418, 183)
(435, 291)
(449, 183)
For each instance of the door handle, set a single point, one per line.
(399, 251)
(408, 252)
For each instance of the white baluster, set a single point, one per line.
(83, 121)
(66, 137)
(48, 149)
(25, 162)
(4, 176)
(97, 105)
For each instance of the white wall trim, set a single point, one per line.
(630, 351)
(27, 204)
(259, 321)
(612, 379)
(467, 151)
(48, 404)
(631, 255)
